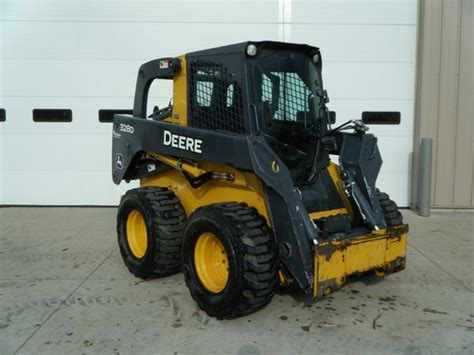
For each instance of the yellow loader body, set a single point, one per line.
(382, 251)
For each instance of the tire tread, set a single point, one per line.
(392, 215)
(169, 218)
(258, 253)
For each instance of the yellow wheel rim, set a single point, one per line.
(212, 265)
(136, 234)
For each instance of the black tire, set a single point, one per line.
(392, 215)
(251, 254)
(165, 220)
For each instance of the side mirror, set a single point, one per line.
(332, 117)
(381, 117)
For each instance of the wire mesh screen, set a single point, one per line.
(293, 96)
(215, 98)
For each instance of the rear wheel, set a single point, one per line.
(392, 215)
(150, 224)
(229, 260)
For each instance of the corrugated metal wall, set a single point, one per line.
(445, 100)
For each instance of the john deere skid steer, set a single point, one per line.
(237, 188)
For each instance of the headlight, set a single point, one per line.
(251, 50)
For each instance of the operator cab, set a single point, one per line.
(271, 89)
(291, 109)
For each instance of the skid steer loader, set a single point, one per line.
(237, 188)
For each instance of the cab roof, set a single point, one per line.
(240, 48)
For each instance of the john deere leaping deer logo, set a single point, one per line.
(119, 161)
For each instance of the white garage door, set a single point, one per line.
(82, 57)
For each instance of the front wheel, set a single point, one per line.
(392, 215)
(393, 218)
(229, 260)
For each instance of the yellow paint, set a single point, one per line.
(211, 262)
(136, 234)
(380, 273)
(282, 278)
(180, 108)
(335, 173)
(245, 187)
(322, 214)
(335, 260)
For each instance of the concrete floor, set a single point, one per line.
(64, 289)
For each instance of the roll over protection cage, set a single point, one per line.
(163, 68)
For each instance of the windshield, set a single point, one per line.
(290, 110)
